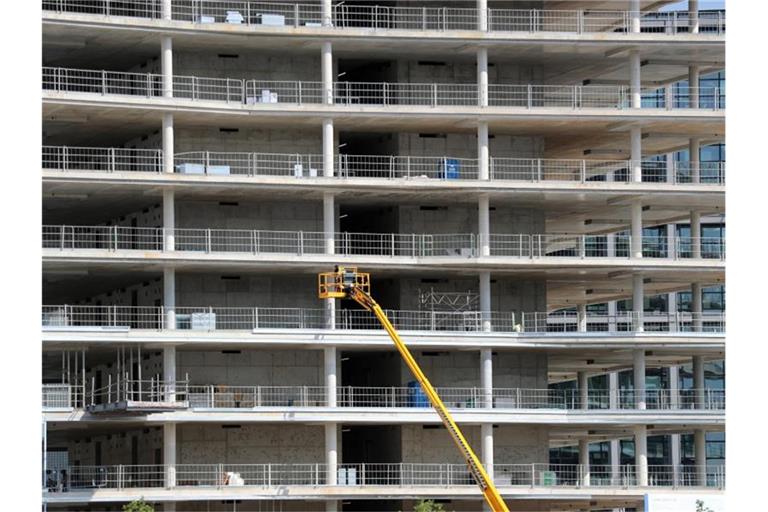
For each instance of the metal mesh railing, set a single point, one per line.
(395, 166)
(110, 238)
(62, 396)
(257, 92)
(124, 389)
(134, 317)
(67, 158)
(568, 321)
(396, 474)
(382, 17)
(218, 163)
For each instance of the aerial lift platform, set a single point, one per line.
(348, 283)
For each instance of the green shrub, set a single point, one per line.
(428, 506)
(138, 506)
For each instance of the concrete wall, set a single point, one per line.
(115, 448)
(256, 65)
(253, 367)
(304, 141)
(464, 145)
(250, 444)
(247, 291)
(251, 506)
(148, 293)
(462, 218)
(513, 444)
(262, 215)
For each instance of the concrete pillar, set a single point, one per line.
(482, 76)
(636, 228)
(329, 358)
(675, 455)
(486, 433)
(695, 234)
(672, 249)
(167, 9)
(581, 315)
(326, 66)
(641, 455)
(636, 154)
(613, 390)
(693, 16)
(583, 385)
(584, 460)
(169, 454)
(634, 16)
(329, 234)
(166, 65)
(484, 224)
(693, 84)
(700, 452)
(168, 143)
(486, 377)
(699, 382)
(327, 13)
(635, 83)
(638, 294)
(328, 148)
(169, 372)
(696, 307)
(331, 453)
(483, 153)
(615, 460)
(485, 300)
(638, 375)
(674, 387)
(694, 150)
(482, 15)
(169, 297)
(169, 220)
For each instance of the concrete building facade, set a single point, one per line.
(536, 187)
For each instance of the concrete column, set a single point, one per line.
(329, 358)
(485, 300)
(700, 451)
(675, 455)
(484, 224)
(693, 16)
(581, 313)
(693, 84)
(168, 143)
(482, 15)
(699, 382)
(638, 375)
(583, 385)
(486, 377)
(634, 16)
(486, 432)
(672, 248)
(331, 453)
(482, 76)
(615, 460)
(669, 168)
(326, 66)
(636, 154)
(695, 234)
(641, 455)
(169, 372)
(638, 294)
(327, 13)
(329, 234)
(635, 83)
(584, 460)
(169, 297)
(166, 65)
(694, 149)
(483, 153)
(328, 148)
(169, 454)
(167, 10)
(636, 229)
(613, 390)
(696, 306)
(674, 387)
(169, 220)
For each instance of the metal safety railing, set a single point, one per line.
(406, 245)
(62, 396)
(259, 92)
(222, 163)
(395, 474)
(569, 322)
(382, 17)
(654, 399)
(213, 318)
(124, 389)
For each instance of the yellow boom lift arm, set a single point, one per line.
(348, 283)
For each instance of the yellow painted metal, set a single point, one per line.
(333, 286)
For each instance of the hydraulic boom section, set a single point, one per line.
(348, 283)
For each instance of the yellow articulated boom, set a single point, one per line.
(348, 283)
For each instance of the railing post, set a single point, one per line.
(529, 99)
(434, 95)
(208, 240)
(103, 82)
(112, 160)
(583, 171)
(114, 238)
